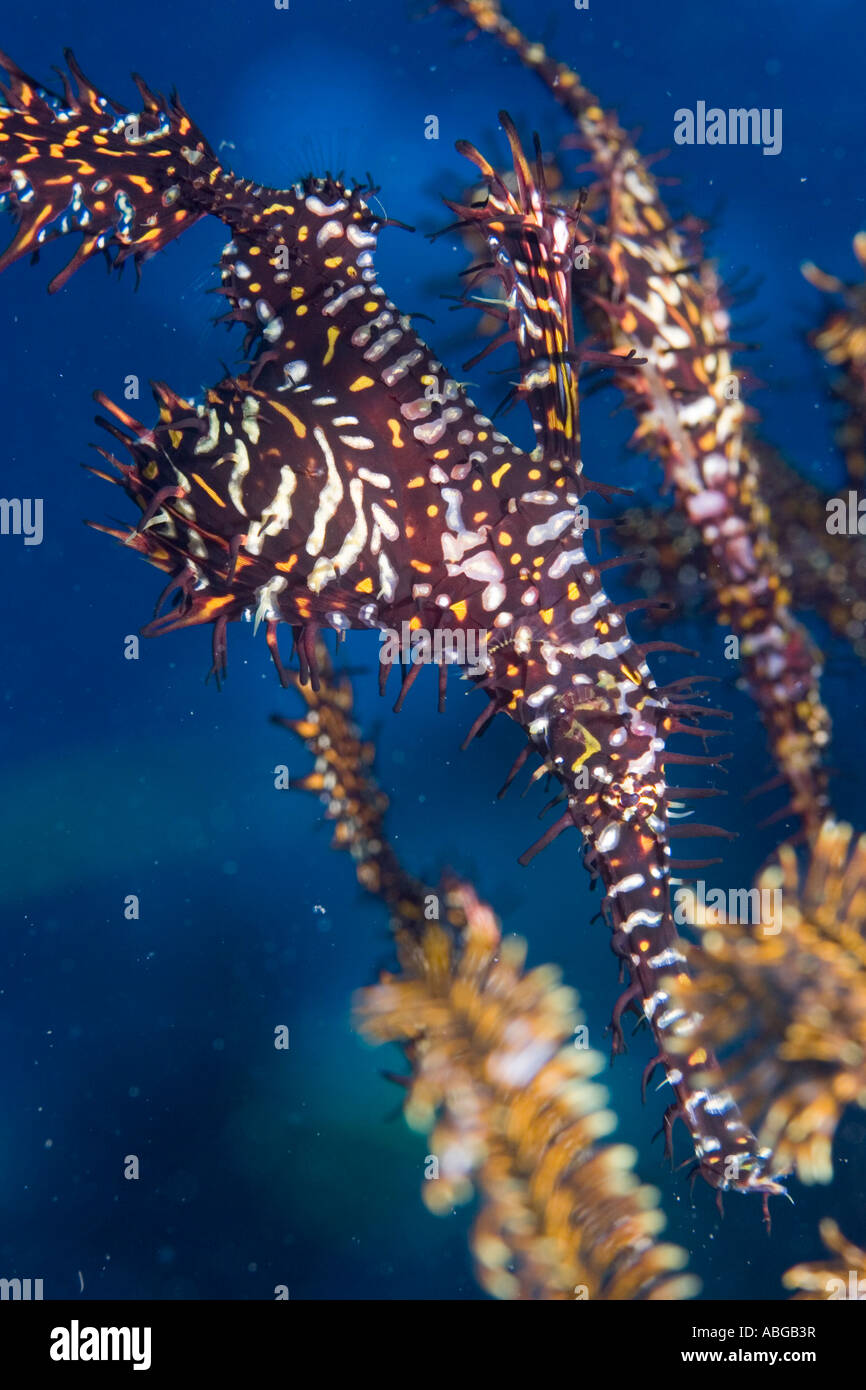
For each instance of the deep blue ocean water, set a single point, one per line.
(155, 1037)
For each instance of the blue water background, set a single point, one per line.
(155, 1037)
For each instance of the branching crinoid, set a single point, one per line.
(841, 340)
(844, 1277)
(787, 998)
(497, 1078)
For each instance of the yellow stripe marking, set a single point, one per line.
(333, 335)
(297, 425)
(592, 746)
(209, 490)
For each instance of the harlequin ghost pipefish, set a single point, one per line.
(345, 480)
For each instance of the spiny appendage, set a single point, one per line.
(641, 294)
(511, 1109)
(788, 990)
(841, 340)
(840, 1278)
(129, 182)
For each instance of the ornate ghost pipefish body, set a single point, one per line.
(346, 481)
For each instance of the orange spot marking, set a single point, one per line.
(213, 605)
(30, 235)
